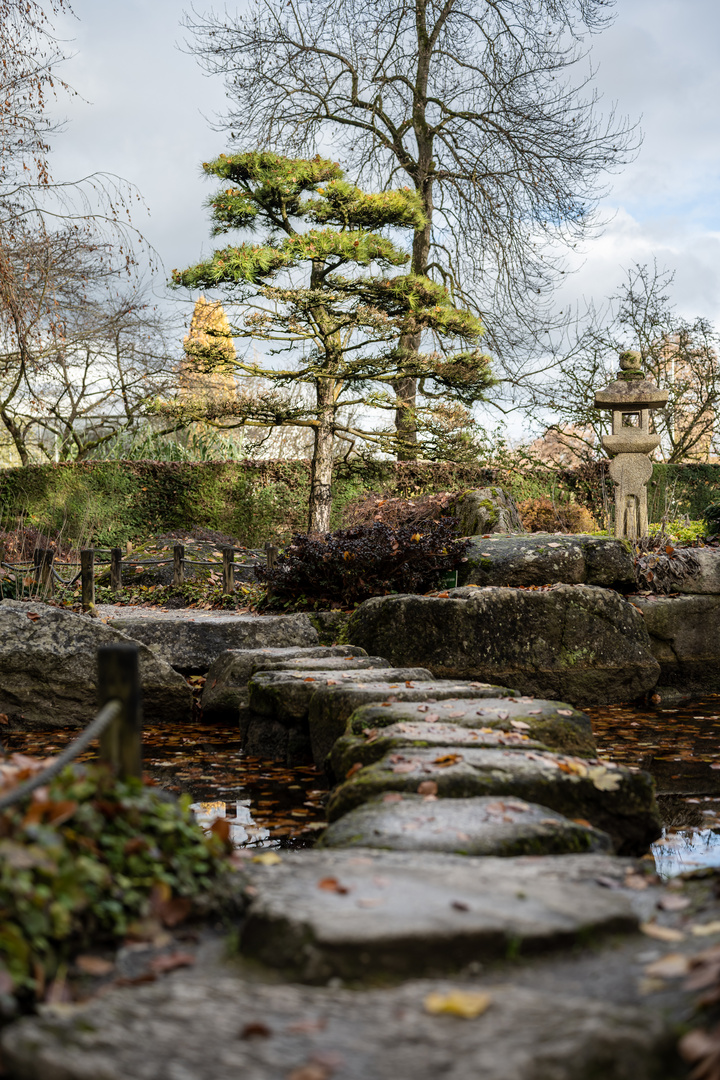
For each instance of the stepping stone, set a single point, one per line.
(226, 691)
(191, 645)
(352, 751)
(210, 1026)
(275, 724)
(365, 913)
(330, 708)
(463, 826)
(559, 726)
(614, 799)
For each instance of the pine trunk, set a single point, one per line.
(321, 470)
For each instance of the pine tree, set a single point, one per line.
(323, 293)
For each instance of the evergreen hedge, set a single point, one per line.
(109, 502)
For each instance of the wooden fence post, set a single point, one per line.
(178, 564)
(87, 577)
(119, 679)
(116, 569)
(43, 569)
(228, 555)
(271, 554)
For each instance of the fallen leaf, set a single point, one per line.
(565, 712)
(520, 725)
(94, 965)
(353, 769)
(447, 759)
(462, 1003)
(661, 933)
(313, 1071)
(427, 787)
(255, 1029)
(171, 961)
(331, 884)
(268, 858)
(392, 796)
(705, 929)
(460, 905)
(672, 902)
(672, 966)
(307, 1027)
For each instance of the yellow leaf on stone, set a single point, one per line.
(661, 933)
(268, 858)
(705, 929)
(458, 1003)
(604, 780)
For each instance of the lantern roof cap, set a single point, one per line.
(631, 389)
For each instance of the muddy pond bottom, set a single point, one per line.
(680, 747)
(266, 804)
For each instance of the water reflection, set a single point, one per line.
(244, 831)
(683, 850)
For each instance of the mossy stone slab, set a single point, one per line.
(226, 687)
(366, 913)
(483, 826)
(548, 559)
(554, 723)
(613, 799)
(374, 743)
(285, 695)
(332, 706)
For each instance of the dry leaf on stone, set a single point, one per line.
(564, 712)
(394, 796)
(94, 965)
(427, 787)
(462, 1003)
(331, 884)
(672, 902)
(447, 759)
(313, 1071)
(705, 929)
(353, 769)
(170, 961)
(255, 1029)
(661, 933)
(671, 966)
(268, 858)
(702, 1049)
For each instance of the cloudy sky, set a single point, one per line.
(146, 108)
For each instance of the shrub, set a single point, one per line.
(86, 857)
(393, 511)
(351, 565)
(544, 515)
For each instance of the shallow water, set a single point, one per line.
(270, 805)
(680, 746)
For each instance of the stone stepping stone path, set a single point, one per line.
(482, 826)
(554, 723)
(216, 1027)
(226, 686)
(369, 914)
(614, 799)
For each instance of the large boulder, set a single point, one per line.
(191, 645)
(577, 643)
(226, 687)
(484, 827)
(48, 669)
(685, 640)
(486, 510)
(613, 799)
(548, 559)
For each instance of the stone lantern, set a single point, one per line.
(630, 398)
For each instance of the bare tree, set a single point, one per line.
(485, 105)
(680, 355)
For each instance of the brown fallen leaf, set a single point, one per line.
(462, 1003)
(427, 787)
(94, 965)
(446, 760)
(171, 961)
(702, 1048)
(331, 884)
(312, 1071)
(393, 796)
(353, 769)
(255, 1029)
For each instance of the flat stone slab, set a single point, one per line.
(200, 1027)
(685, 640)
(332, 706)
(548, 559)
(286, 695)
(502, 827)
(554, 723)
(48, 669)
(226, 692)
(576, 643)
(707, 579)
(366, 913)
(191, 645)
(613, 799)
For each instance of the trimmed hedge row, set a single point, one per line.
(109, 502)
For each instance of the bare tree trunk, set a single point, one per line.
(322, 462)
